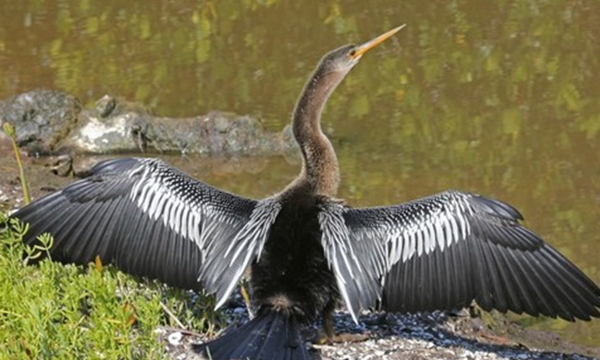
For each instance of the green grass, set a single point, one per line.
(55, 311)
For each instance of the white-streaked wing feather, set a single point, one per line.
(152, 220)
(443, 251)
(351, 258)
(244, 248)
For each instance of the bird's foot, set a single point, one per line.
(341, 338)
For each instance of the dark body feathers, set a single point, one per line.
(292, 265)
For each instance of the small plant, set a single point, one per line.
(95, 312)
(9, 130)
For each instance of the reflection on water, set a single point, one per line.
(497, 98)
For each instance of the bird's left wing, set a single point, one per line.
(152, 220)
(443, 251)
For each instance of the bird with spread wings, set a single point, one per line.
(308, 251)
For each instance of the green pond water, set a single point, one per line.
(499, 98)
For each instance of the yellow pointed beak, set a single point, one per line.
(361, 49)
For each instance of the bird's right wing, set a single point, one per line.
(152, 220)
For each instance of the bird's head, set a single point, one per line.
(341, 60)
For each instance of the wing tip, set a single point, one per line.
(498, 207)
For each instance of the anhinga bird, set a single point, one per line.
(307, 249)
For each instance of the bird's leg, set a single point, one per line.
(326, 335)
(328, 321)
(246, 297)
(329, 336)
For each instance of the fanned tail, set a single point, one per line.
(270, 336)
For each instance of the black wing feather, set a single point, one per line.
(150, 220)
(444, 251)
(508, 267)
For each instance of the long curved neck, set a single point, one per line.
(320, 170)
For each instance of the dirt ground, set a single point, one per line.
(464, 335)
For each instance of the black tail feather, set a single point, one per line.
(270, 336)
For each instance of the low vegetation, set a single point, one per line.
(57, 311)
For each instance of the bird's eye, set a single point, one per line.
(352, 52)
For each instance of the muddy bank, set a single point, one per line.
(51, 122)
(50, 173)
